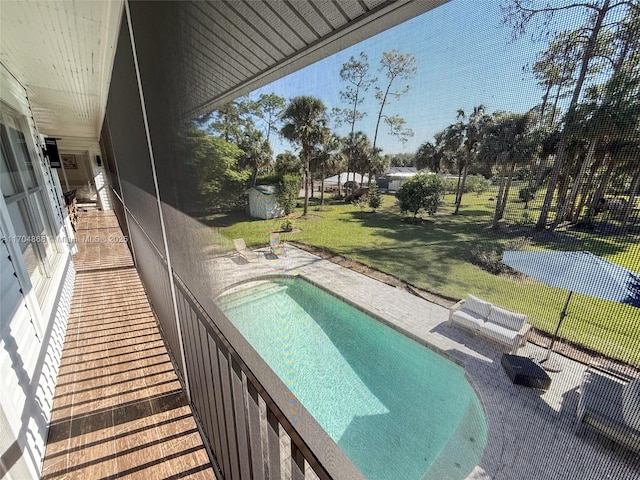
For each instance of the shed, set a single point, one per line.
(263, 202)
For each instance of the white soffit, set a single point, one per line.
(62, 52)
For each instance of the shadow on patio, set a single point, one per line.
(119, 410)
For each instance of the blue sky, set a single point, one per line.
(464, 58)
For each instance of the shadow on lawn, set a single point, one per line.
(434, 248)
(457, 232)
(445, 240)
(227, 219)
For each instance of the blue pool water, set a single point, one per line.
(397, 409)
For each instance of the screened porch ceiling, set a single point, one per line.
(62, 51)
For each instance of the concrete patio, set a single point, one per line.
(530, 433)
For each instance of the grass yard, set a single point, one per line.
(436, 256)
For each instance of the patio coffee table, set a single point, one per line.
(524, 371)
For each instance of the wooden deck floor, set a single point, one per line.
(119, 410)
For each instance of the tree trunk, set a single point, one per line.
(563, 188)
(307, 174)
(544, 160)
(496, 216)
(458, 185)
(587, 188)
(604, 181)
(465, 170)
(564, 137)
(545, 100)
(322, 188)
(505, 195)
(561, 212)
(384, 100)
(635, 186)
(554, 110)
(348, 172)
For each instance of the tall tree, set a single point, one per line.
(508, 142)
(523, 13)
(358, 147)
(611, 111)
(305, 125)
(257, 152)
(450, 142)
(395, 66)
(428, 156)
(230, 121)
(268, 108)
(214, 174)
(328, 157)
(555, 70)
(473, 131)
(356, 74)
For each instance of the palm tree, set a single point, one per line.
(257, 152)
(357, 147)
(328, 156)
(428, 156)
(450, 143)
(509, 141)
(305, 124)
(612, 114)
(472, 133)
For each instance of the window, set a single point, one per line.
(25, 201)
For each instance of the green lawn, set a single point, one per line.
(436, 255)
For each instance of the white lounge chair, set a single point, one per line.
(241, 247)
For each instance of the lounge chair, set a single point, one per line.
(241, 247)
(611, 405)
(274, 244)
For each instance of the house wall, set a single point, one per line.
(98, 174)
(34, 308)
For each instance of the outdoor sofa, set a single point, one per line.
(483, 318)
(610, 405)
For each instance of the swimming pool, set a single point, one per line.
(397, 409)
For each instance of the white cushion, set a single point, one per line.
(500, 333)
(511, 320)
(468, 319)
(631, 404)
(476, 305)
